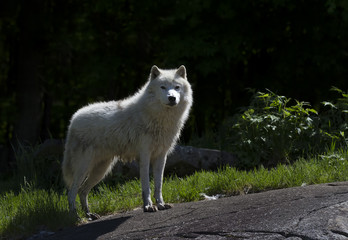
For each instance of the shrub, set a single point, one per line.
(276, 129)
(334, 119)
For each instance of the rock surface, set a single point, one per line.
(184, 159)
(310, 212)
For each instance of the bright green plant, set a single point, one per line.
(276, 129)
(334, 120)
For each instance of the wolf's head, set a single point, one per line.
(170, 87)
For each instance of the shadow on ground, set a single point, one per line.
(92, 230)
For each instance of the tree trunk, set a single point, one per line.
(28, 61)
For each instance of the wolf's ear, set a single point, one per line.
(155, 72)
(181, 71)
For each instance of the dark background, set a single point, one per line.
(57, 55)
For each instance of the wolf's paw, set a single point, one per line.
(164, 206)
(150, 208)
(92, 216)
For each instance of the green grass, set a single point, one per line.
(30, 210)
(230, 181)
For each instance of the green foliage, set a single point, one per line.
(334, 120)
(33, 210)
(272, 130)
(108, 199)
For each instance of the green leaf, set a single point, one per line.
(266, 95)
(286, 113)
(313, 111)
(333, 88)
(325, 103)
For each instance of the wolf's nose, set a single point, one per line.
(171, 99)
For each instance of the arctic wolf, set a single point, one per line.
(144, 127)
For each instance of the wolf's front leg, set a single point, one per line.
(158, 169)
(145, 183)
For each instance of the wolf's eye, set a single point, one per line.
(177, 87)
(163, 87)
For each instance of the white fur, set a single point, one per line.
(144, 126)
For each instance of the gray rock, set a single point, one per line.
(50, 148)
(184, 159)
(309, 212)
(187, 158)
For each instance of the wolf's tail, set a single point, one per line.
(67, 170)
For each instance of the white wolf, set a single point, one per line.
(144, 126)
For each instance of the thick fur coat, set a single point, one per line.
(144, 127)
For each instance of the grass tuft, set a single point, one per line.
(33, 210)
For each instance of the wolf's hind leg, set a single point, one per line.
(81, 173)
(95, 176)
(77, 181)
